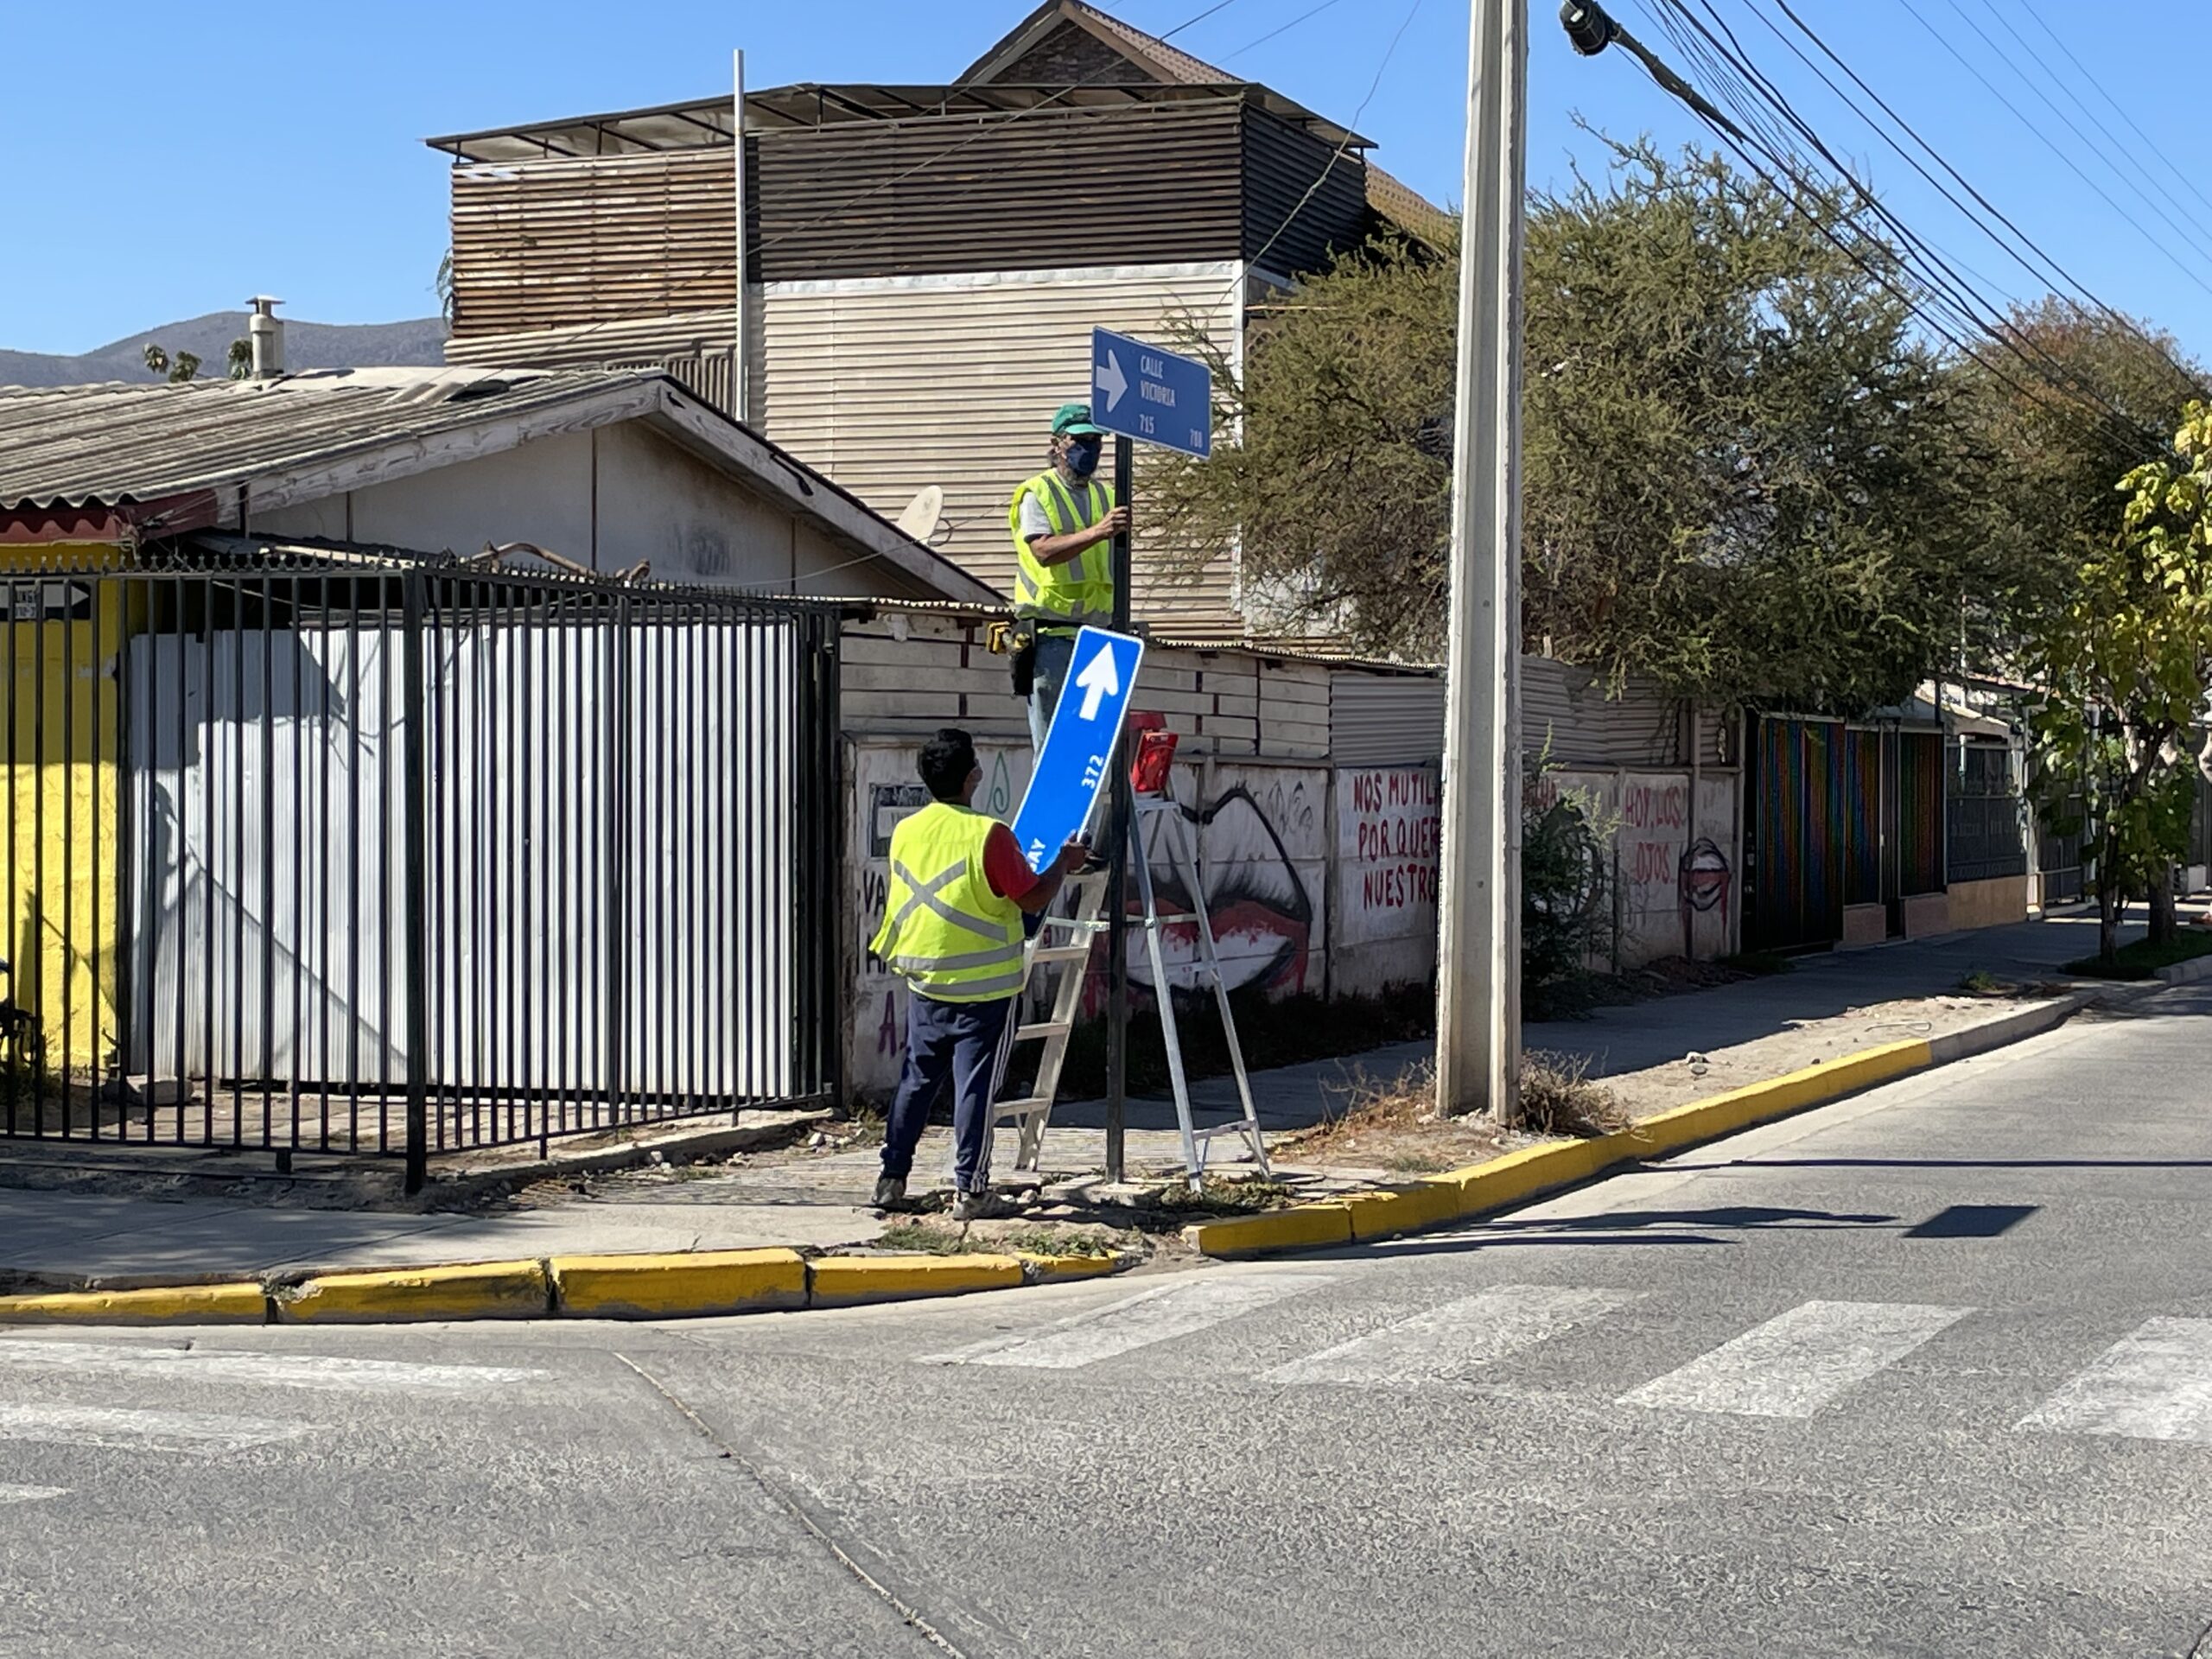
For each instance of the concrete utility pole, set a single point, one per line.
(1121, 807)
(1478, 900)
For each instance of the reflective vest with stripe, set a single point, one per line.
(943, 929)
(1077, 590)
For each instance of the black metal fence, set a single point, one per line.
(1987, 820)
(355, 858)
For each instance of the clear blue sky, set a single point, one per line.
(200, 166)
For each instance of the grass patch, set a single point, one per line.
(1558, 1097)
(919, 1236)
(1050, 1241)
(1224, 1195)
(1036, 1238)
(2143, 959)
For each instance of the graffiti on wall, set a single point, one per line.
(1654, 815)
(1393, 836)
(1707, 881)
(1262, 913)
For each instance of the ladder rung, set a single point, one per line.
(1059, 953)
(1033, 1106)
(1043, 1029)
(1238, 1127)
(1164, 921)
(1089, 923)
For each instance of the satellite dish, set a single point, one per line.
(919, 520)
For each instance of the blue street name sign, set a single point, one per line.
(1079, 754)
(1154, 397)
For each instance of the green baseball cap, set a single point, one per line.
(1074, 422)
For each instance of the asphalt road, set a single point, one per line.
(1928, 1372)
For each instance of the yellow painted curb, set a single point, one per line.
(170, 1305)
(1757, 1102)
(1420, 1203)
(1517, 1175)
(1053, 1269)
(1304, 1226)
(846, 1280)
(477, 1290)
(676, 1286)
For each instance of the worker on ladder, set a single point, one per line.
(952, 928)
(1064, 522)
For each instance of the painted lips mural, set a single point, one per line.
(1262, 913)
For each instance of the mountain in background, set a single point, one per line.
(306, 345)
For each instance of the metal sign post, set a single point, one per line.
(1142, 395)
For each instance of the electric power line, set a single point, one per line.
(2045, 138)
(1942, 301)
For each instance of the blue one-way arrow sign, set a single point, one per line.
(1078, 753)
(1153, 396)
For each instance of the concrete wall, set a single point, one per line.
(1384, 885)
(1259, 831)
(1674, 870)
(607, 500)
(1988, 904)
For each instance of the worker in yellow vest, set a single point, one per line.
(1063, 521)
(952, 930)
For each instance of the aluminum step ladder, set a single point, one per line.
(1063, 942)
(1182, 860)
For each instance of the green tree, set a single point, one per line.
(2063, 403)
(179, 368)
(1742, 469)
(2126, 665)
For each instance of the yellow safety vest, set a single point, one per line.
(1077, 590)
(943, 929)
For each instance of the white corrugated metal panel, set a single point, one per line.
(278, 955)
(891, 383)
(1567, 709)
(1385, 720)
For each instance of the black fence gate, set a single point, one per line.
(361, 858)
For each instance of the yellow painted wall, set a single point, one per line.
(60, 745)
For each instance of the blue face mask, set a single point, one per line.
(1082, 458)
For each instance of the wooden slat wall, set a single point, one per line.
(557, 244)
(889, 386)
(1150, 183)
(1285, 230)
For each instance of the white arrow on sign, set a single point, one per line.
(1099, 680)
(1111, 380)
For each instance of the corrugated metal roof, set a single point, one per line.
(77, 445)
(308, 436)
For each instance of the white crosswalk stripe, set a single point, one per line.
(315, 1371)
(111, 1426)
(30, 1494)
(1139, 1321)
(2156, 1384)
(1446, 1343)
(1797, 1361)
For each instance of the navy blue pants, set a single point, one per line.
(965, 1043)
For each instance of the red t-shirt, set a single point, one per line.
(1004, 866)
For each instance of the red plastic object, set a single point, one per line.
(1155, 754)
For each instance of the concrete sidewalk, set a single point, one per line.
(73, 1235)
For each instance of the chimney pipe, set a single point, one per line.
(265, 330)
